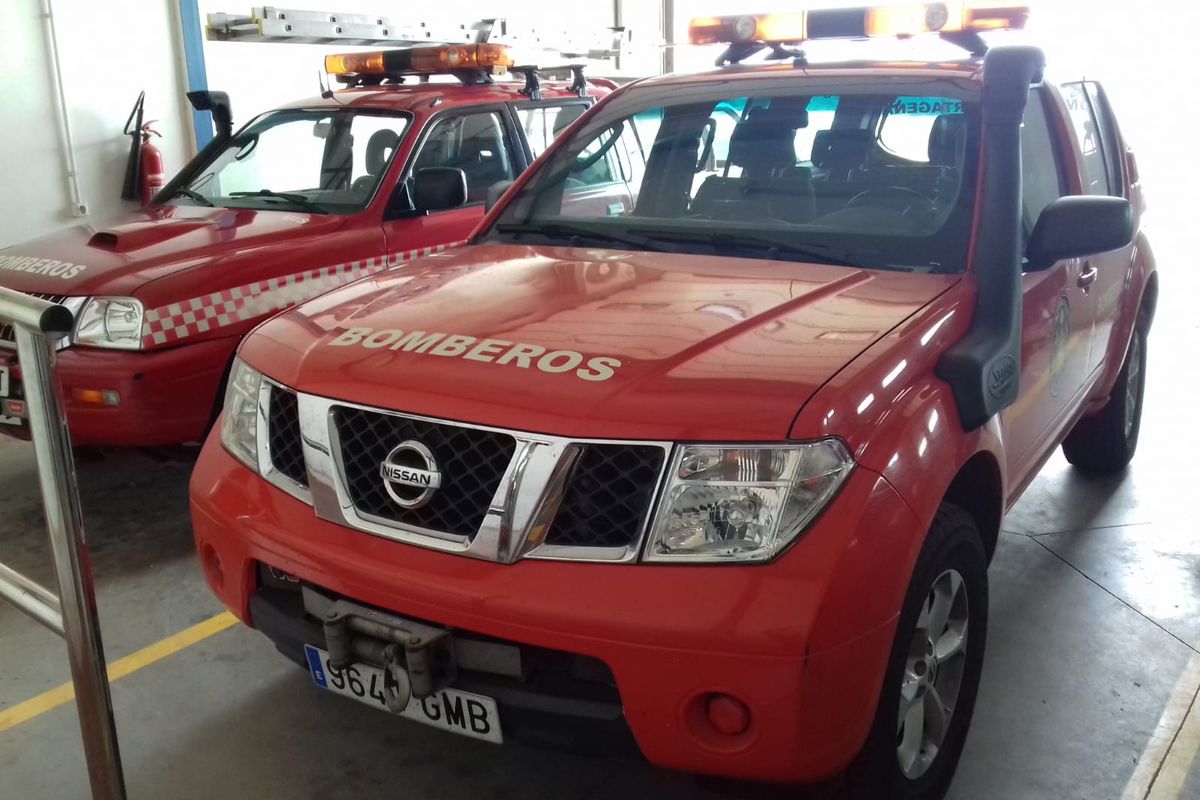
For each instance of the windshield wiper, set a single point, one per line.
(190, 195)
(557, 230)
(298, 200)
(769, 247)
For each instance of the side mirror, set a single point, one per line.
(1077, 226)
(439, 188)
(218, 104)
(494, 193)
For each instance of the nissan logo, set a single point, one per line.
(410, 474)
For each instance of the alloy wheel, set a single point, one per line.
(932, 675)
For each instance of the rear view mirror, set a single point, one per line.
(494, 193)
(1077, 226)
(439, 188)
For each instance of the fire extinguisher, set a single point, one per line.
(152, 174)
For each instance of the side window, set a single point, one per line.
(476, 144)
(543, 124)
(1041, 173)
(1114, 155)
(375, 141)
(1087, 130)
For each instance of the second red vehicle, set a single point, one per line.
(303, 199)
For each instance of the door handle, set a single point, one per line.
(1087, 277)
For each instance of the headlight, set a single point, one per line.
(733, 503)
(239, 422)
(110, 322)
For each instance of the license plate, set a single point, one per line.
(449, 709)
(3, 381)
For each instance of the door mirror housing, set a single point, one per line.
(1077, 226)
(439, 188)
(494, 193)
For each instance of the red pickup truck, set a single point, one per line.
(303, 199)
(718, 475)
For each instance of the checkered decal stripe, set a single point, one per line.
(176, 321)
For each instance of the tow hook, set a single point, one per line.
(417, 659)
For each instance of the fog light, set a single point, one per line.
(727, 715)
(96, 397)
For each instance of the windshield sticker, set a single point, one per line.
(926, 106)
(41, 266)
(489, 351)
(823, 102)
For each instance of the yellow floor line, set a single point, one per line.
(1168, 784)
(1167, 743)
(23, 712)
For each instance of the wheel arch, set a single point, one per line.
(978, 488)
(1149, 303)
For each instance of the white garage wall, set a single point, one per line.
(109, 51)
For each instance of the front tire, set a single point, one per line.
(1104, 443)
(933, 673)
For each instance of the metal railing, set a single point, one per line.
(38, 325)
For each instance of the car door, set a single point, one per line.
(479, 141)
(1056, 312)
(1102, 166)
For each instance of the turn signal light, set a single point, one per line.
(838, 23)
(96, 397)
(421, 60)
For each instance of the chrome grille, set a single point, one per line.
(472, 462)
(608, 496)
(283, 432)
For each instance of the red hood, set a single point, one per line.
(708, 348)
(145, 245)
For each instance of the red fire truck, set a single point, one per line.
(718, 475)
(301, 200)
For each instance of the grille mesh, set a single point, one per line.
(471, 462)
(608, 496)
(283, 432)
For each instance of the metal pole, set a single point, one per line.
(34, 599)
(668, 32)
(64, 522)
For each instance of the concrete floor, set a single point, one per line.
(1095, 615)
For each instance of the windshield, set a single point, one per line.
(880, 179)
(316, 161)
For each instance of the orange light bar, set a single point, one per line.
(835, 23)
(421, 60)
(354, 63)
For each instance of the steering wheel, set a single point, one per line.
(897, 198)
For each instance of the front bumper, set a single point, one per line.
(803, 641)
(167, 397)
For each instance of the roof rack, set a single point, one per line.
(533, 78)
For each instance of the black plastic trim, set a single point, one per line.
(984, 367)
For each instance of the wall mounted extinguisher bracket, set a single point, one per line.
(130, 188)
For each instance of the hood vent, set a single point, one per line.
(105, 240)
(136, 235)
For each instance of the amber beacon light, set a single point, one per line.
(421, 60)
(837, 23)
